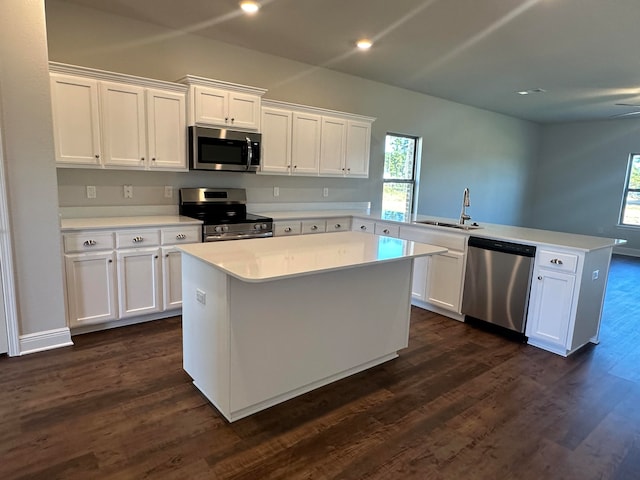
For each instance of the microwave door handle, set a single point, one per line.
(249, 153)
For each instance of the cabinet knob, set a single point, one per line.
(167, 255)
(110, 261)
(232, 119)
(142, 159)
(539, 277)
(348, 170)
(295, 166)
(226, 119)
(363, 227)
(155, 256)
(153, 159)
(386, 231)
(314, 227)
(337, 225)
(97, 155)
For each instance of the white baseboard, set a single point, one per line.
(46, 340)
(630, 252)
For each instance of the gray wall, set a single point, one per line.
(463, 146)
(25, 106)
(580, 178)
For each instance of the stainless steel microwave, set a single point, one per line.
(224, 150)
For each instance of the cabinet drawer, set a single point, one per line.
(366, 226)
(338, 224)
(88, 241)
(387, 229)
(137, 238)
(314, 226)
(287, 228)
(179, 235)
(565, 262)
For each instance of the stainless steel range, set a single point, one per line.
(224, 213)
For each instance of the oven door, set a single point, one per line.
(221, 149)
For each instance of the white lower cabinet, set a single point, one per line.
(91, 287)
(116, 275)
(139, 281)
(438, 280)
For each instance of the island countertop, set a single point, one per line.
(265, 259)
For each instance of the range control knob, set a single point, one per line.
(257, 226)
(225, 228)
(218, 229)
(264, 226)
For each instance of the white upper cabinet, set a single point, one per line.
(358, 149)
(299, 140)
(305, 149)
(213, 103)
(123, 125)
(76, 120)
(333, 146)
(109, 120)
(276, 140)
(166, 130)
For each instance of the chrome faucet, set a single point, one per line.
(465, 204)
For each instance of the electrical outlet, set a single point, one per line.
(168, 191)
(128, 191)
(325, 192)
(91, 191)
(201, 297)
(276, 191)
(595, 274)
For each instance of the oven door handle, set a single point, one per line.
(249, 153)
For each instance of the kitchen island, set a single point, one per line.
(265, 320)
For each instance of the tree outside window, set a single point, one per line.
(630, 214)
(399, 176)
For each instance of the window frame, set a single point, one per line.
(417, 148)
(626, 191)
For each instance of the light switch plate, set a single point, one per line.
(128, 191)
(276, 191)
(325, 192)
(168, 191)
(91, 191)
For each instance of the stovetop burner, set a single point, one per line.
(223, 213)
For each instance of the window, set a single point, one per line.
(630, 214)
(400, 163)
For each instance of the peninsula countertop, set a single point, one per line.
(265, 259)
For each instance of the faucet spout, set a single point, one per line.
(465, 203)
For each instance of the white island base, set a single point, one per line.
(250, 344)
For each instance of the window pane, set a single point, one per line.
(631, 214)
(396, 201)
(399, 153)
(634, 174)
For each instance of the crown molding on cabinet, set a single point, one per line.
(316, 110)
(55, 67)
(192, 80)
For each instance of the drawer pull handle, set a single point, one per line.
(90, 243)
(386, 231)
(181, 236)
(556, 261)
(287, 230)
(337, 225)
(539, 277)
(138, 239)
(363, 227)
(314, 227)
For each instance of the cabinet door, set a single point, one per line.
(166, 130)
(358, 145)
(139, 281)
(171, 278)
(550, 307)
(445, 279)
(123, 125)
(276, 140)
(305, 153)
(91, 288)
(419, 282)
(333, 146)
(211, 106)
(244, 111)
(76, 120)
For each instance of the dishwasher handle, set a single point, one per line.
(502, 246)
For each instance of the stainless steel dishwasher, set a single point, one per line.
(497, 283)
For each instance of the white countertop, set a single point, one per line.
(69, 224)
(264, 259)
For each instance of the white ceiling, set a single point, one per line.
(584, 53)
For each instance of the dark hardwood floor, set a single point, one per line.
(459, 403)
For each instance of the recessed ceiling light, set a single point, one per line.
(249, 6)
(523, 92)
(532, 90)
(364, 44)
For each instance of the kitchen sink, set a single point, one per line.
(449, 225)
